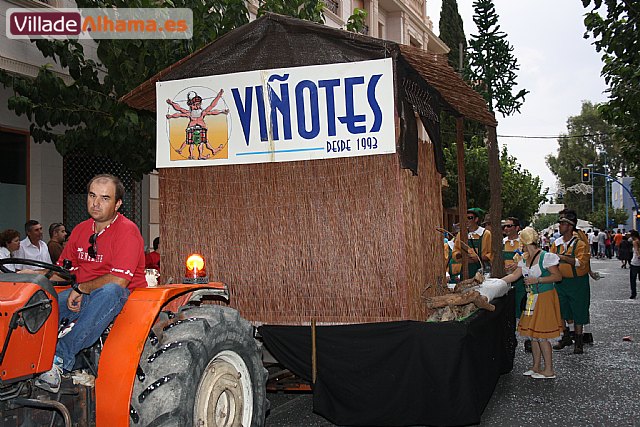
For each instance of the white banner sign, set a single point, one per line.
(281, 115)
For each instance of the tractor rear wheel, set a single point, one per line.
(203, 369)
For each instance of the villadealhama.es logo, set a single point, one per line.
(97, 23)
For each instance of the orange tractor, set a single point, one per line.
(198, 364)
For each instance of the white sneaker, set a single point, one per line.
(50, 380)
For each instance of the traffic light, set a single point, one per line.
(586, 175)
(638, 216)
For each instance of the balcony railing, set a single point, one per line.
(417, 6)
(332, 5)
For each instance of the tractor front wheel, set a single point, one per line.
(203, 369)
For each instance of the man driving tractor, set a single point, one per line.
(107, 256)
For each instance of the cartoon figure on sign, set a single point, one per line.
(196, 131)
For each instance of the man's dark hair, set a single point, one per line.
(116, 181)
(515, 221)
(156, 243)
(570, 215)
(29, 224)
(53, 227)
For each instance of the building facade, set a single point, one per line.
(621, 198)
(31, 174)
(401, 21)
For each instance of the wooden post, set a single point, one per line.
(495, 209)
(462, 193)
(314, 360)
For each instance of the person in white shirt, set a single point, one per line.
(601, 238)
(592, 238)
(9, 244)
(32, 246)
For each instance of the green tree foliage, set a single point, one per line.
(615, 25)
(589, 140)
(492, 65)
(521, 195)
(545, 221)
(357, 21)
(599, 218)
(94, 122)
(311, 10)
(452, 33)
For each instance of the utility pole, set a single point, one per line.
(606, 199)
(592, 197)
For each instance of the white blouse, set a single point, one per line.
(4, 253)
(549, 259)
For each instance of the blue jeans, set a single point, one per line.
(97, 311)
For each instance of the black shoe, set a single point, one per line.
(527, 346)
(587, 338)
(566, 341)
(632, 297)
(577, 348)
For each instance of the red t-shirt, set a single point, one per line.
(120, 252)
(152, 260)
(617, 239)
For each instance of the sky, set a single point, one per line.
(557, 65)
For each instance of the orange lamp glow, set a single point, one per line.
(196, 270)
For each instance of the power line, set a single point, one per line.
(586, 135)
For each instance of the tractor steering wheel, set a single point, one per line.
(69, 277)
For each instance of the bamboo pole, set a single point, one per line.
(462, 193)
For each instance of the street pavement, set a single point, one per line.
(598, 388)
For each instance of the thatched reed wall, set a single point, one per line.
(422, 208)
(348, 240)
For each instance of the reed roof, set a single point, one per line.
(275, 41)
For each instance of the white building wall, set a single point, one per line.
(45, 168)
(395, 27)
(45, 184)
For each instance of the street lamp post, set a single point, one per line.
(606, 195)
(591, 165)
(606, 199)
